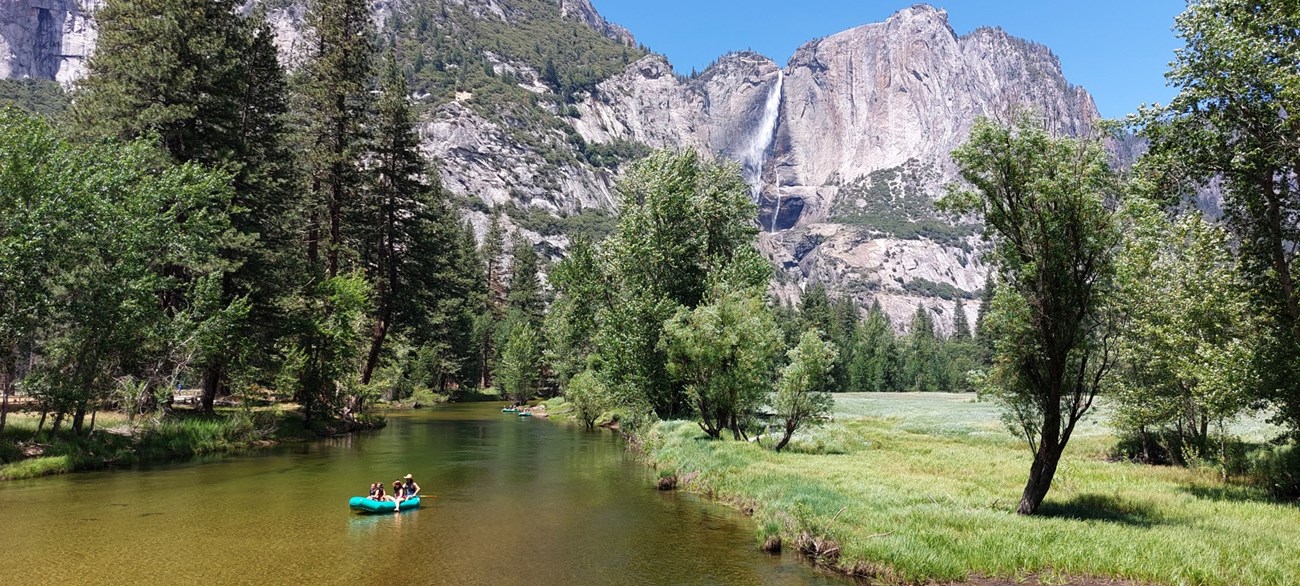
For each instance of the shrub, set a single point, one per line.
(1278, 471)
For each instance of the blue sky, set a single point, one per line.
(1117, 50)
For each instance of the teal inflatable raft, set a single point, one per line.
(366, 505)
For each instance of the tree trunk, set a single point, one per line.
(4, 399)
(376, 344)
(1040, 476)
(79, 418)
(1046, 457)
(212, 376)
(785, 439)
(40, 424)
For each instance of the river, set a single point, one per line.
(515, 501)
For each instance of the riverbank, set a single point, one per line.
(924, 490)
(114, 442)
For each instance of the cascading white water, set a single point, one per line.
(755, 152)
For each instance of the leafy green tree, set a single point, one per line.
(685, 228)
(875, 366)
(91, 227)
(1047, 204)
(590, 398)
(1234, 121)
(803, 392)
(725, 353)
(982, 337)
(1187, 344)
(570, 325)
(521, 362)
(329, 326)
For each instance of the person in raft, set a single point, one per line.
(377, 491)
(410, 487)
(399, 494)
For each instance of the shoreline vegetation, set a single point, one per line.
(921, 488)
(181, 434)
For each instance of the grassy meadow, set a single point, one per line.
(915, 488)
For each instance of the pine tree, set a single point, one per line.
(875, 356)
(921, 363)
(403, 239)
(338, 79)
(208, 84)
(960, 325)
(487, 322)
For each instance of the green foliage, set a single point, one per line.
(40, 97)
(803, 392)
(205, 84)
(891, 202)
(90, 243)
(589, 398)
(1189, 341)
(928, 288)
(685, 229)
(1233, 122)
(521, 362)
(1046, 201)
(571, 324)
(1278, 470)
(876, 363)
(724, 353)
(329, 325)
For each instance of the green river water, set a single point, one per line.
(517, 502)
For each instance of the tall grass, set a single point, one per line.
(929, 495)
(24, 453)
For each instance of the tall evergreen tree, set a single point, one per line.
(338, 77)
(875, 366)
(960, 324)
(407, 238)
(208, 84)
(487, 322)
(922, 368)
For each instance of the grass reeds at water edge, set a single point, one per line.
(114, 442)
(925, 491)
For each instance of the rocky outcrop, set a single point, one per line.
(585, 12)
(46, 39)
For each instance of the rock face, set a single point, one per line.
(846, 170)
(845, 147)
(584, 11)
(46, 39)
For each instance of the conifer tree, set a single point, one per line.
(486, 323)
(404, 239)
(207, 82)
(875, 358)
(336, 91)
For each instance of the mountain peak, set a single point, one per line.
(585, 12)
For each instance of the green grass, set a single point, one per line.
(113, 443)
(926, 485)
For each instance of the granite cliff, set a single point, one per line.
(845, 146)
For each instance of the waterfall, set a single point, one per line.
(755, 152)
